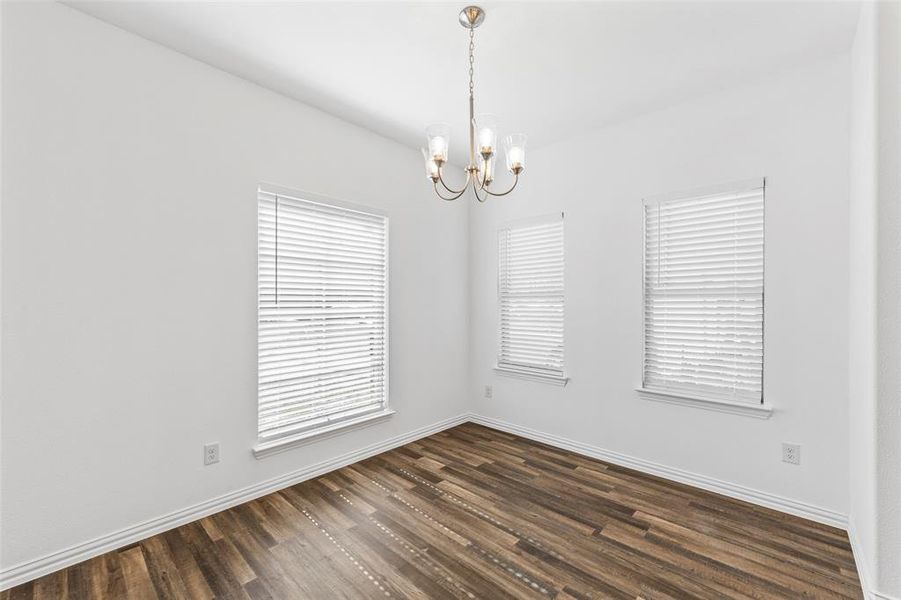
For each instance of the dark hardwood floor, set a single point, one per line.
(475, 513)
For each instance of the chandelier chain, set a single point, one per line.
(472, 47)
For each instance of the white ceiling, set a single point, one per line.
(549, 69)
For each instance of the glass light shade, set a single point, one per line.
(439, 140)
(515, 149)
(431, 167)
(487, 173)
(486, 134)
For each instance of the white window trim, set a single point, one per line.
(264, 449)
(268, 448)
(526, 373)
(761, 411)
(531, 376)
(764, 409)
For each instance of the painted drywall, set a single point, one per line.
(862, 295)
(875, 298)
(129, 174)
(129, 276)
(888, 303)
(792, 128)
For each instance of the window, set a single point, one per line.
(530, 293)
(703, 294)
(323, 315)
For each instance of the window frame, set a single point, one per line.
(263, 448)
(763, 409)
(526, 372)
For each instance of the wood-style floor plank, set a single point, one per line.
(475, 513)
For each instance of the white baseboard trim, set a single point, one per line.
(26, 571)
(863, 571)
(739, 492)
(33, 569)
(867, 581)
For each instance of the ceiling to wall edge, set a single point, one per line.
(383, 128)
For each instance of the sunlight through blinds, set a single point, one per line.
(530, 292)
(323, 301)
(703, 294)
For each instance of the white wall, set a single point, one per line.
(129, 176)
(794, 130)
(888, 301)
(862, 299)
(129, 276)
(875, 302)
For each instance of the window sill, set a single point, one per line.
(264, 449)
(759, 411)
(529, 376)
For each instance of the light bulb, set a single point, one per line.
(515, 147)
(486, 139)
(486, 133)
(439, 140)
(439, 148)
(431, 167)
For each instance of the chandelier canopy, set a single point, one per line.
(482, 139)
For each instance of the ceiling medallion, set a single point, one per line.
(482, 139)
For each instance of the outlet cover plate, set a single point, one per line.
(791, 453)
(211, 453)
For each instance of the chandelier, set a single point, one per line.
(482, 139)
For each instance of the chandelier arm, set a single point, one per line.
(452, 198)
(515, 181)
(475, 192)
(450, 189)
(483, 180)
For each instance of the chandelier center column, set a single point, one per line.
(472, 129)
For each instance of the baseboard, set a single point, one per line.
(780, 503)
(33, 569)
(739, 492)
(867, 582)
(863, 571)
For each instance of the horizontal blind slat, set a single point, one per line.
(703, 287)
(322, 330)
(531, 297)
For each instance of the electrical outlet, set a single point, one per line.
(489, 391)
(211, 453)
(791, 453)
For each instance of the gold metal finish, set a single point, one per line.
(471, 17)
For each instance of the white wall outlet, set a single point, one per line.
(489, 391)
(791, 453)
(211, 453)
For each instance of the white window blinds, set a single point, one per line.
(703, 294)
(530, 292)
(323, 302)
